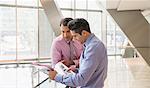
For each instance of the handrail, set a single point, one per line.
(25, 61)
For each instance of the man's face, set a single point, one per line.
(77, 37)
(65, 32)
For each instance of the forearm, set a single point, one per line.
(70, 80)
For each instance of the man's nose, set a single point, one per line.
(65, 35)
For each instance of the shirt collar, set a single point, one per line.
(61, 37)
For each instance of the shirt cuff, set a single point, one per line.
(58, 78)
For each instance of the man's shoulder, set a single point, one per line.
(58, 39)
(78, 44)
(95, 42)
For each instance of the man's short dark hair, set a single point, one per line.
(65, 21)
(78, 25)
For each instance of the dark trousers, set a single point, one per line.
(69, 87)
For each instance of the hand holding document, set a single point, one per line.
(60, 68)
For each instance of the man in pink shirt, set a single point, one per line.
(65, 48)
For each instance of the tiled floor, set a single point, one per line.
(127, 73)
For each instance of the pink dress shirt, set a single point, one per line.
(60, 50)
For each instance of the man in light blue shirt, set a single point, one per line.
(93, 60)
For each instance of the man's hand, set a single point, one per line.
(52, 74)
(68, 62)
(76, 63)
(73, 68)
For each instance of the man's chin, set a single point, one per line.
(67, 39)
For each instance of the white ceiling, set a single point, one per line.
(121, 5)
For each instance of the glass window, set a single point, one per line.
(80, 4)
(45, 35)
(7, 33)
(92, 4)
(7, 2)
(111, 45)
(27, 28)
(115, 38)
(81, 14)
(120, 41)
(94, 19)
(65, 3)
(66, 13)
(27, 2)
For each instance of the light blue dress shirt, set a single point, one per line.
(93, 66)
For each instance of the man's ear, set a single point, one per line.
(84, 33)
